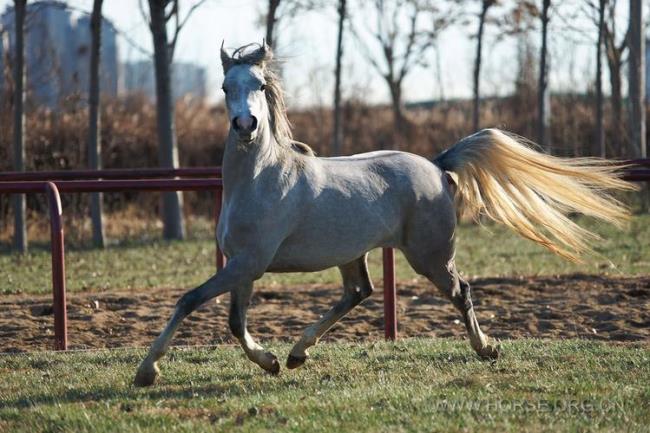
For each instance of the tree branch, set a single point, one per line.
(194, 7)
(406, 58)
(143, 12)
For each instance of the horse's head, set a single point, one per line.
(245, 85)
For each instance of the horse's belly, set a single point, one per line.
(287, 261)
(312, 249)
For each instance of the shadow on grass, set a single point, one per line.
(230, 385)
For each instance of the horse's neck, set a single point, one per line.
(244, 163)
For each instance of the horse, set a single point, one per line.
(286, 210)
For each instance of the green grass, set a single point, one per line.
(491, 250)
(411, 385)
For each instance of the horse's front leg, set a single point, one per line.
(356, 287)
(239, 302)
(239, 272)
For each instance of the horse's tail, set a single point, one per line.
(502, 176)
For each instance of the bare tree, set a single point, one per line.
(401, 47)
(600, 125)
(596, 11)
(614, 53)
(279, 11)
(162, 12)
(5, 47)
(485, 6)
(94, 120)
(637, 79)
(271, 18)
(19, 204)
(543, 97)
(438, 69)
(337, 137)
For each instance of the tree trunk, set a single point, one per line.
(173, 227)
(614, 54)
(543, 108)
(270, 21)
(600, 127)
(94, 121)
(439, 78)
(617, 103)
(637, 79)
(337, 137)
(6, 89)
(399, 121)
(19, 204)
(477, 66)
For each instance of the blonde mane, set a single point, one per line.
(261, 55)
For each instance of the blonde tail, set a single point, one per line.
(502, 176)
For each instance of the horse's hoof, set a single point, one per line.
(146, 375)
(274, 367)
(489, 352)
(295, 361)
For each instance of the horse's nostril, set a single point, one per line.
(235, 123)
(253, 123)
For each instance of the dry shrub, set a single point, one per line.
(56, 140)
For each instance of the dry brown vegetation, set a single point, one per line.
(56, 140)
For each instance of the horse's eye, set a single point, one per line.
(262, 87)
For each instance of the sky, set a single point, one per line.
(307, 45)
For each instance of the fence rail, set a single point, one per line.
(120, 173)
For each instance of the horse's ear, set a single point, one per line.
(267, 52)
(226, 60)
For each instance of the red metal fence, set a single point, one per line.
(52, 190)
(207, 178)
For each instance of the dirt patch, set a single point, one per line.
(583, 306)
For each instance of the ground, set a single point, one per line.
(575, 343)
(571, 306)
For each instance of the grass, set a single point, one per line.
(411, 385)
(150, 263)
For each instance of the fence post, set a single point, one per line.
(58, 268)
(390, 295)
(221, 259)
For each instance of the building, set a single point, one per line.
(57, 52)
(57, 58)
(187, 79)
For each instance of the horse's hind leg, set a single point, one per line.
(356, 287)
(461, 298)
(441, 271)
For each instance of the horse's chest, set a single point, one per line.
(237, 225)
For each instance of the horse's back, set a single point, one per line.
(360, 203)
(391, 171)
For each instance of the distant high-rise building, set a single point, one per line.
(57, 52)
(109, 68)
(57, 58)
(138, 77)
(187, 79)
(647, 70)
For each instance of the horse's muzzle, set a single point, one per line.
(244, 125)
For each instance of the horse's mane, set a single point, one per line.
(262, 56)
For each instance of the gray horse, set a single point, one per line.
(286, 210)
